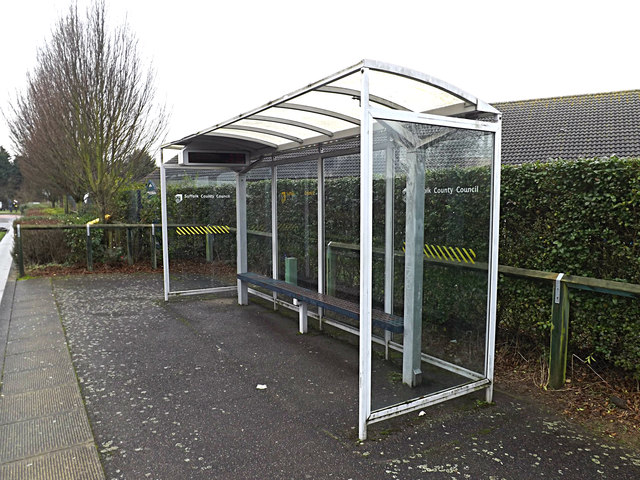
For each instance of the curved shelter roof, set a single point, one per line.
(329, 110)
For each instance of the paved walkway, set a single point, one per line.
(170, 392)
(44, 430)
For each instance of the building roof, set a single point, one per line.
(577, 126)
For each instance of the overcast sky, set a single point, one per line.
(217, 59)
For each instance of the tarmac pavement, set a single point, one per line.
(170, 392)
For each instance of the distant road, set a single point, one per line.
(6, 221)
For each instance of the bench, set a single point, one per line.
(304, 296)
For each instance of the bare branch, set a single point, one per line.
(88, 116)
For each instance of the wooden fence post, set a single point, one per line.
(331, 271)
(18, 235)
(208, 245)
(559, 334)
(89, 250)
(129, 247)
(154, 258)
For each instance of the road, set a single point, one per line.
(6, 221)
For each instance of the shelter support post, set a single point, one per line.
(388, 243)
(165, 230)
(493, 264)
(274, 229)
(241, 235)
(366, 257)
(413, 273)
(322, 268)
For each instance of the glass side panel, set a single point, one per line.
(453, 236)
(342, 226)
(259, 258)
(298, 223)
(201, 222)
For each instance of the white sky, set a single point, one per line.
(216, 59)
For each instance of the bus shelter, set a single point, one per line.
(377, 186)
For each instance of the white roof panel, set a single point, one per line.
(330, 108)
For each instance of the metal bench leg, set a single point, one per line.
(387, 339)
(243, 293)
(302, 317)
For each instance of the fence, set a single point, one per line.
(560, 282)
(18, 228)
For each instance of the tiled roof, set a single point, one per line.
(579, 126)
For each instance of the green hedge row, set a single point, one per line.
(578, 217)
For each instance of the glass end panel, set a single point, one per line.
(201, 218)
(433, 204)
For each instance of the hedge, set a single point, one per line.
(578, 217)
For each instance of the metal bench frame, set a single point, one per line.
(389, 323)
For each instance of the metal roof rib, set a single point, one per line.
(265, 131)
(319, 111)
(356, 94)
(285, 121)
(242, 137)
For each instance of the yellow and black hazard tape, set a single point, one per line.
(448, 254)
(451, 254)
(203, 230)
(287, 227)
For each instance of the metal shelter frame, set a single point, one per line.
(311, 124)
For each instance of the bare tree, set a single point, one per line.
(87, 118)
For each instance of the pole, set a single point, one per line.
(154, 257)
(559, 334)
(89, 250)
(20, 254)
(129, 247)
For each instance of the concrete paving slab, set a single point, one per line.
(77, 463)
(32, 344)
(44, 329)
(44, 434)
(39, 403)
(30, 380)
(50, 357)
